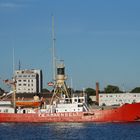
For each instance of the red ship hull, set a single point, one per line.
(125, 113)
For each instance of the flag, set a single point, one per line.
(50, 84)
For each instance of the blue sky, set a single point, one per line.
(99, 40)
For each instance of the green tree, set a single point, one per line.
(45, 90)
(90, 92)
(136, 90)
(112, 89)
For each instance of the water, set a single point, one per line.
(70, 131)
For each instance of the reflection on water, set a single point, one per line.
(68, 125)
(70, 131)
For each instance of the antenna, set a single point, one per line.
(53, 50)
(19, 65)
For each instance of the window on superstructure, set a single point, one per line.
(75, 100)
(6, 110)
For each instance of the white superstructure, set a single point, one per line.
(77, 104)
(28, 81)
(118, 98)
(6, 107)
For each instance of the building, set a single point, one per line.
(28, 81)
(118, 98)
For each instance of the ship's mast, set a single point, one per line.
(53, 50)
(59, 77)
(13, 61)
(13, 82)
